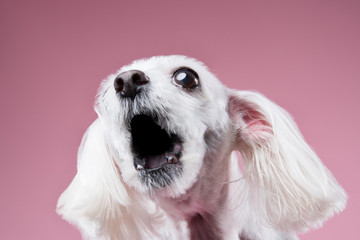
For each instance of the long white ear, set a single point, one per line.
(97, 201)
(290, 186)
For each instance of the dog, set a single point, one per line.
(160, 161)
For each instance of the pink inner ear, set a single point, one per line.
(246, 113)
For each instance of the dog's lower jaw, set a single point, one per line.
(159, 178)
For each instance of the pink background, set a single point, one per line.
(304, 55)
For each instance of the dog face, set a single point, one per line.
(160, 126)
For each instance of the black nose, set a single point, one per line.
(129, 83)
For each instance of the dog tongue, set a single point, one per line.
(155, 161)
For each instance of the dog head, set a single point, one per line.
(166, 123)
(160, 114)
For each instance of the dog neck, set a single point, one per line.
(205, 201)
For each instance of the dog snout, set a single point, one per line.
(130, 83)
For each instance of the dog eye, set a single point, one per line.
(186, 78)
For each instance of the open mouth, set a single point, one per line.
(152, 146)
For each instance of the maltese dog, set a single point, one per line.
(159, 162)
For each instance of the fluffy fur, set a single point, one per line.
(284, 187)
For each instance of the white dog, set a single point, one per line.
(159, 162)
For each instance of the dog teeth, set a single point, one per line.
(139, 167)
(171, 159)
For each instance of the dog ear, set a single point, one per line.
(97, 201)
(290, 186)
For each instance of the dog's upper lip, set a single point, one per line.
(152, 146)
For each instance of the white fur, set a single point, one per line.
(284, 188)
